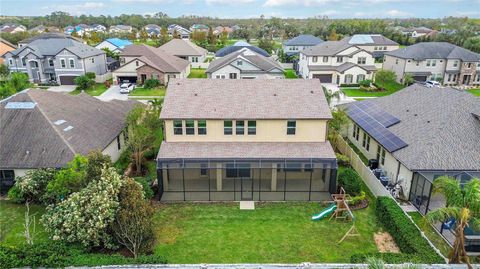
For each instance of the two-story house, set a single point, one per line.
(120, 29)
(244, 64)
(177, 31)
(294, 45)
(185, 49)
(5, 47)
(227, 140)
(441, 61)
(376, 44)
(336, 62)
(56, 59)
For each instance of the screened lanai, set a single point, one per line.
(246, 171)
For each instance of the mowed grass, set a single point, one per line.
(197, 73)
(272, 233)
(475, 91)
(139, 91)
(436, 239)
(12, 218)
(290, 74)
(389, 89)
(95, 90)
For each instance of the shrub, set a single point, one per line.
(385, 76)
(342, 159)
(32, 186)
(83, 82)
(86, 216)
(414, 247)
(350, 181)
(15, 195)
(349, 85)
(68, 180)
(96, 160)
(365, 83)
(146, 188)
(151, 83)
(90, 75)
(357, 199)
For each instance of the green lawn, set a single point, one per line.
(96, 90)
(430, 233)
(475, 91)
(197, 73)
(139, 91)
(290, 73)
(389, 89)
(272, 233)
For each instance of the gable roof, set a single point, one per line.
(48, 35)
(119, 43)
(439, 126)
(238, 46)
(263, 63)
(303, 40)
(435, 50)
(56, 127)
(7, 43)
(181, 47)
(327, 48)
(156, 58)
(245, 99)
(369, 39)
(52, 46)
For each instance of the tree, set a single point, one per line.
(29, 231)
(408, 79)
(133, 225)
(462, 204)
(114, 55)
(337, 125)
(333, 35)
(4, 71)
(68, 180)
(385, 76)
(329, 95)
(266, 44)
(164, 38)
(83, 82)
(96, 161)
(32, 186)
(212, 39)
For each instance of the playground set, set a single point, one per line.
(340, 211)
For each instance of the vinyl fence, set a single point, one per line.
(200, 65)
(365, 173)
(103, 78)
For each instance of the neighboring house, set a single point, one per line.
(48, 35)
(44, 129)
(418, 134)
(292, 46)
(238, 46)
(262, 140)
(152, 30)
(98, 28)
(185, 49)
(447, 63)
(5, 47)
(69, 30)
(141, 62)
(114, 44)
(199, 27)
(336, 62)
(40, 29)
(415, 32)
(179, 30)
(219, 30)
(120, 29)
(244, 64)
(56, 59)
(373, 43)
(12, 28)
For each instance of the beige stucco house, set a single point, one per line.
(230, 140)
(44, 129)
(5, 47)
(441, 61)
(185, 49)
(336, 62)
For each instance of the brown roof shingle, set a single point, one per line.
(157, 58)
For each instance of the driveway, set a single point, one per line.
(62, 88)
(113, 93)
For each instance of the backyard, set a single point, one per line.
(290, 73)
(431, 233)
(95, 90)
(197, 73)
(390, 88)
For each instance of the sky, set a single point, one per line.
(250, 8)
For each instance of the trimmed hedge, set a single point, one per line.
(58, 255)
(413, 246)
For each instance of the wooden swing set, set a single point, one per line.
(343, 212)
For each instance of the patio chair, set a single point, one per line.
(447, 225)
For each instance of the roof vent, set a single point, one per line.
(195, 94)
(59, 122)
(68, 128)
(428, 121)
(311, 91)
(274, 94)
(408, 110)
(415, 115)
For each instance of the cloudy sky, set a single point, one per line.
(251, 8)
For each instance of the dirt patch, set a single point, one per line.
(385, 243)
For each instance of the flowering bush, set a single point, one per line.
(85, 216)
(32, 186)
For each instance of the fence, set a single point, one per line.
(368, 177)
(200, 65)
(287, 65)
(103, 78)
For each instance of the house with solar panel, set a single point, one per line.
(227, 140)
(44, 129)
(376, 44)
(417, 135)
(114, 44)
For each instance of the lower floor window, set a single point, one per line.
(7, 175)
(241, 171)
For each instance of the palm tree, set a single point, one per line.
(329, 95)
(463, 204)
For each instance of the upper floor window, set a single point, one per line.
(72, 63)
(63, 64)
(239, 62)
(202, 127)
(233, 76)
(429, 62)
(291, 126)
(227, 127)
(252, 127)
(122, 60)
(469, 65)
(339, 59)
(362, 60)
(93, 60)
(177, 127)
(239, 127)
(190, 127)
(396, 61)
(384, 48)
(434, 62)
(315, 59)
(10, 61)
(375, 48)
(325, 59)
(119, 145)
(455, 63)
(137, 63)
(24, 61)
(50, 62)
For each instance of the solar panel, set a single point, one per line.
(20, 105)
(376, 128)
(385, 118)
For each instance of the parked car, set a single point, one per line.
(127, 87)
(432, 83)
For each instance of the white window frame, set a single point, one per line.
(63, 63)
(10, 61)
(51, 62)
(70, 61)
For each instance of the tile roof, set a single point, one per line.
(265, 64)
(7, 43)
(245, 150)
(156, 58)
(245, 99)
(303, 40)
(37, 137)
(435, 50)
(439, 126)
(181, 47)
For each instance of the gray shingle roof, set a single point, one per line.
(180, 47)
(439, 126)
(156, 58)
(30, 138)
(327, 48)
(238, 46)
(340, 68)
(303, 40)
(245, 99)
(435, 50)
(245, 150)
(262, 62)
(53, 45)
